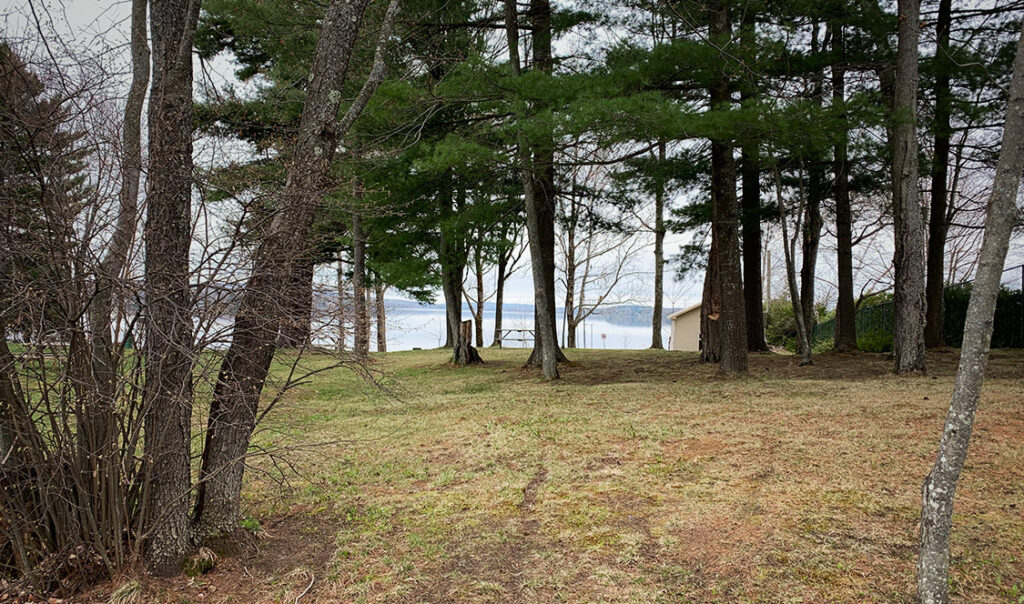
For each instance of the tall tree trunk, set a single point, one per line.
(572, 326)
(499, 297)
(846, 331)
(451, 287)
(909, 261)
(940, 485)
(342, 335)
(803, 339)
(382, 319)
(569, 311)
(244, 369)
(167, 393)
(753, 295)
(809, 244)
(546, 343)
(361, 345)
(815, 192)
(659, 253)
(543, 171)
(478, 318)
(937, 225)
(711, 309)
(732, 329)
(453, 265)
(454, 254)
(750, 175)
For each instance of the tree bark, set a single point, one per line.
(711, 310)
(810, 243)
(846, 330)
(361, 345)
(569, 312)
(167, 393)
(803, 343)
(750, 175)
(478, 318)
(813, 224)
(732, 331)
(659, 253)
(453, 266)
(245, 366)
(937, 223)
(940, 485)
(546, 343)
(543, 173)
(382, 319)
(753, 295)
(342, 328)
(499, 298)
(909, 261)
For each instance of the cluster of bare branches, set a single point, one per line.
(128, 298)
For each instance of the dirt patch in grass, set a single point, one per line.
(279, 560)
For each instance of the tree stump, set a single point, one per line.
(465, 354)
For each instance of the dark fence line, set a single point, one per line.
(875, 324)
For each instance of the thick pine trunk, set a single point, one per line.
(908, 261)
(938, 225)
(809, 244)
(752, 293)
(659, 256)
(452, 271)
(732, 332)
(244, 369)
(940, 485)
(846, 332)
(546, 343)
(543, 173)
(454, 255)
(750, 175)
(167, 393)
(711, 310)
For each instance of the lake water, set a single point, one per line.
(424, 327)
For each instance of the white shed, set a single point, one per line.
(686, 328)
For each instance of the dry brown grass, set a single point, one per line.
(641, 476)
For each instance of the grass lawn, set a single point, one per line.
(641, 476)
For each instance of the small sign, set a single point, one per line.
(604, 336)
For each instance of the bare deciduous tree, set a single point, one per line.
(233, 412)
(940, 485)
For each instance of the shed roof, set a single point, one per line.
(684, 311)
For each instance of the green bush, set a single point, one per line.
(780, 324)
(875, 341)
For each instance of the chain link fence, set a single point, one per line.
(875, 323)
